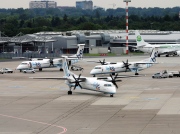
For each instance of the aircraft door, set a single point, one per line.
(30, 65)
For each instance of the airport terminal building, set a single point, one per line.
(99, 41)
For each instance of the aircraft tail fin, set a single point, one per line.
(80, 51)
(154, 55)
(139, 40)
(65, 66)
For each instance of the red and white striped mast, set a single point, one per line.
(127, 49)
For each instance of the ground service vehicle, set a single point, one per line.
(175, 73)
(7, 70)
(76, 68)
(29, 70)
(163, 74)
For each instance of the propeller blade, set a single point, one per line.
(113, 80)
(115, 85)
(115, 76)
(77, 81)
(111, 76)
(75, 86)
(79, 76)
(80, 86)
(74, 77)
(126, 65)
(102, 62)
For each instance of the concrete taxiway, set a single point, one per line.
(142, 105)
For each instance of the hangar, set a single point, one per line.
(56, 43)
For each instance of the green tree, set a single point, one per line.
(65, 18)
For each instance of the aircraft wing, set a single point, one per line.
(132, 46)
(122, 76)
(144, 63)
(55, 78)
(168, 52)
(103, 62)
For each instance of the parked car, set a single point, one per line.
(7, 70)
(29, 70)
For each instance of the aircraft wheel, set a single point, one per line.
(167, 55)
(40, 69)
(94, 75)
(136, 73)
(60, 69)
(111, 95)
(159, 55)
(69, 92)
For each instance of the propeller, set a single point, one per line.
(113, 80)
(126, 65)
(102, 62)
(77, 81)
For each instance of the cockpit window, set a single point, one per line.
(97, 68)
(23, 63)
(107, 85)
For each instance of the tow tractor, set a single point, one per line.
(76, 68)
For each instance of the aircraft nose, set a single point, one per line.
(21, 67)
(92, 72)
(114, 90)
(18, 67)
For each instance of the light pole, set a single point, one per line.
(127, 49)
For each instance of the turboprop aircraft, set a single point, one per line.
(47, 63)
(72, 59)
(106, 85)
(163, 49)
(126, 66)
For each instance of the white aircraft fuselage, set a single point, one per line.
(163, 48)
(116, 68)
(126, 67)
(39, 63)
(91, 83)
(34, 64)
(167, 49)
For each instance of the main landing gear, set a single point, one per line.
(136, 73)
(111, 95)
(69, 92)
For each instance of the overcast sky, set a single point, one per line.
(101, 3)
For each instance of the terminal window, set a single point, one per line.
(98, 43)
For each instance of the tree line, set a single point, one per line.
(28, 21)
